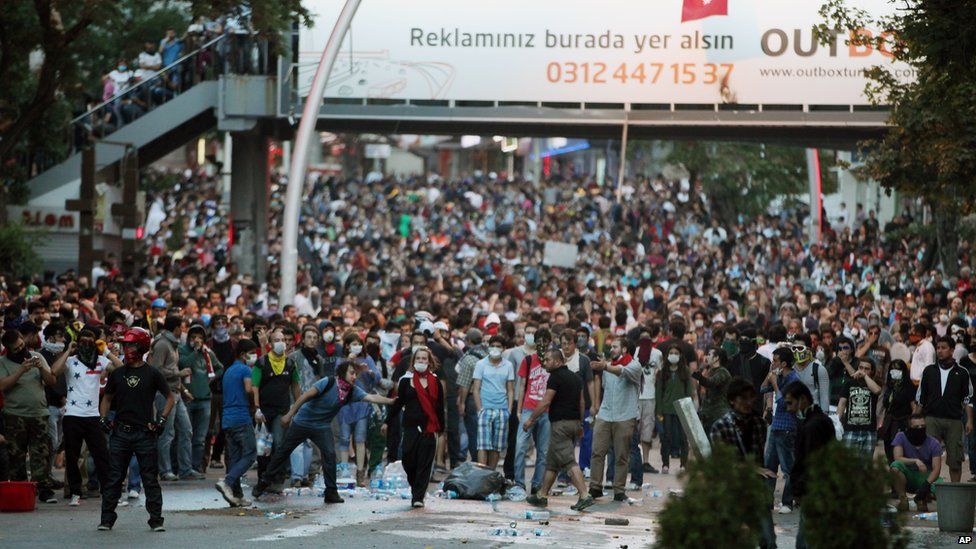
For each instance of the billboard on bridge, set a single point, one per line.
(620, 51)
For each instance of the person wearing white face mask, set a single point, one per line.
(277, 382)
(493, 387)
(353, 418)
(420, 395)
(672, 384)
(236, 423)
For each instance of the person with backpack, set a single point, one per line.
(813, 374)
(532, 378)
(310, 418)
(465, 400)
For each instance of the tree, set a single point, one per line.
(742, 178)
(930, 150)
(846, 502)
(721, 505)
(54, 51)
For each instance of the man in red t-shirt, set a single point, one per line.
(532, 379)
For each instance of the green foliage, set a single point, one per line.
(845, 501)
(929, 150)
(721, 505)
(17, 249)
(742, 178)
(79, 42)
(177, 238)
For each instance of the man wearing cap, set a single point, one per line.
(157, 314)
(204, 367)
(475, 351)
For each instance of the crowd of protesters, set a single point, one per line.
(429, 329)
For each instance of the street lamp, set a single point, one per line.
(296, 172)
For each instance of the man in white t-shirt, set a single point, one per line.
(650, 359)
(84, 371)
(149, 62)
(924, 353)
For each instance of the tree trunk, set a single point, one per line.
(947, 239)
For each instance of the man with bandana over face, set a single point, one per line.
(84, 369)
(23, 375)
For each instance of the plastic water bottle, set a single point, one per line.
(927, 516)
(504, 532)
(540, 533)
(536, 515)
(492, 500)
(381, 497)
(516, 493)
(446, 494)
(274, 516)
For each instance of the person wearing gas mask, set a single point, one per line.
(204, 367)
(131, 391)
(917, 464)
(277, 383)
(84, 368)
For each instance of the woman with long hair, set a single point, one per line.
(420, 394)
(896, 403)
(672, 384)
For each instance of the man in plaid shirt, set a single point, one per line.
(745, 431)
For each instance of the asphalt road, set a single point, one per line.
(196, 516)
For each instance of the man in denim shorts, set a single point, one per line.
(494, 391)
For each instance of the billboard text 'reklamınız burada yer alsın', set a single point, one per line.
(624, 51)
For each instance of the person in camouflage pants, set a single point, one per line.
(28, 436)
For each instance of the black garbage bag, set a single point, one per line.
(473, 481)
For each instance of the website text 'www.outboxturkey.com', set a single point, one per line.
(831, 72)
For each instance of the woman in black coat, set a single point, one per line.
(420, 394)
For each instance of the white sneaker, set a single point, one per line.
(785, 509)
(123, 503)
(133, 494)
(631, 487)
(75, 501)
(228, 493)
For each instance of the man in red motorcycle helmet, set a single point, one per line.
(134, 429)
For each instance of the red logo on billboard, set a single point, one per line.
(700, 9)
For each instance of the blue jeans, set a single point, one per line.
(177, 426)
(301, 460)
(199, 412)
(471, 427)
(349, 431)
(779, 455)
(242, 450)
(586, 443)
(135, 479)
(636, 464)
(538, 433)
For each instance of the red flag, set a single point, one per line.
(700, 9)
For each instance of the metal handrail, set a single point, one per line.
(133, 89)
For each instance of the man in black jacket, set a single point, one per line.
(814, 431)
(945, 393)
(749, 364)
